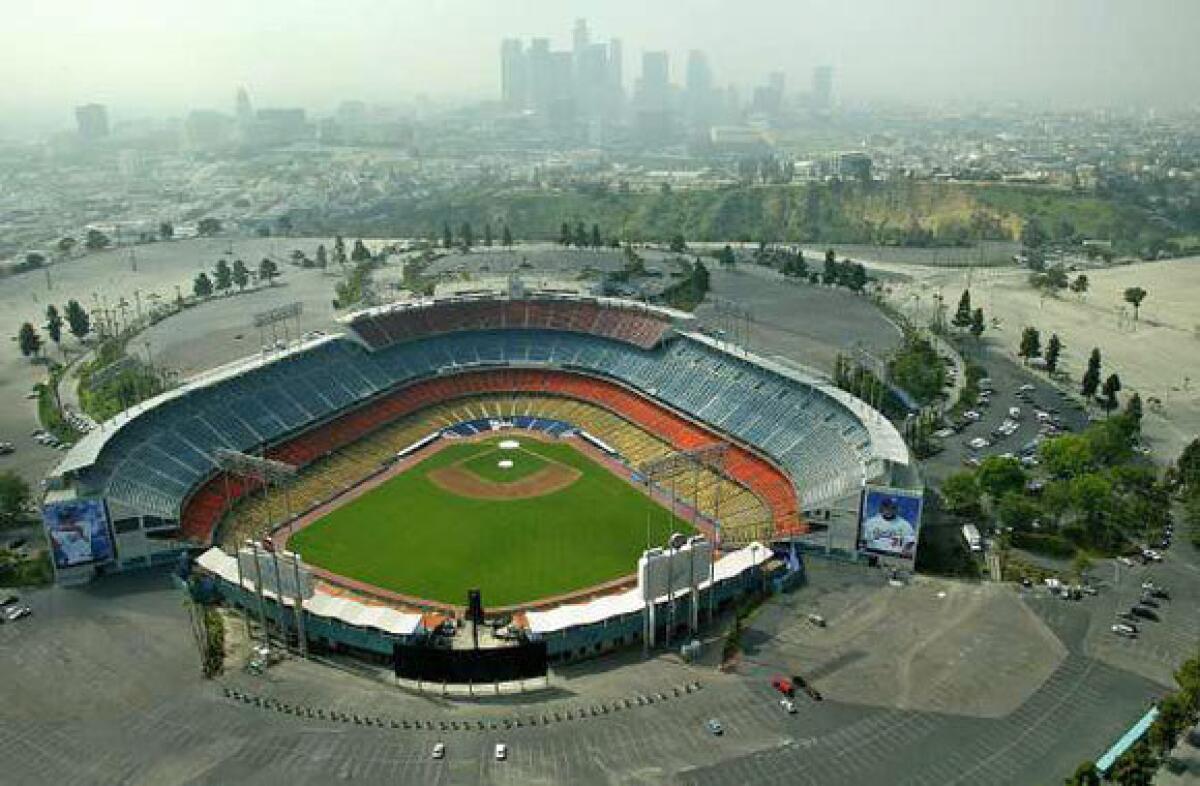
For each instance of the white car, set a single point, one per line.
(971, 415)
(1126, 561)
(978, 443)
(1152, 555)
(439, 750)
(1125, 631)
(501, 751)
(1014, 412)
(1026, 388)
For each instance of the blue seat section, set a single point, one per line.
(154, 460)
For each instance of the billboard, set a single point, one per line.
(78, 532)
(890, 522)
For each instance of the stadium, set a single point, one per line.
(524, 442)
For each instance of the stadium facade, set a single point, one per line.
(146, 487)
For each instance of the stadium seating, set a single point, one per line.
(796, 446)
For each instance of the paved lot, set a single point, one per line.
(109, 693)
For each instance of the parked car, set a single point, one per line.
(439, 751)
(501, 751)
(714, 727)
(14, 613)
(1014, 412)
(9, 600)
(784, 686)
(979, 443)
(1124, 630)
(1144, 613)
(788, 705)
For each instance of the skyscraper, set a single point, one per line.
(822, 88)
(656, 80)
(242, 109)
(616, 66)
(514, 74)
(579, 38)
(699, 95)
(92, 122)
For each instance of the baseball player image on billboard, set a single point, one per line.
(891, 519)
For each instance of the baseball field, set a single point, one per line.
(521, 523)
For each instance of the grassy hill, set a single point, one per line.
(895, 213)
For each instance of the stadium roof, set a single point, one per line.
(321, 604)
(609, 606)
(671, 314)
(87, 450)
(886, 442)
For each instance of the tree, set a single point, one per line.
(466, 234)
(1031, 344)
(597, 241)
(1112, 386)
(166, 230)
(829, 274)
(726, 256)
(1133, 411)
(222, 276)
(29, 341)
(999, 475)
(15, 497)
(1017, 511)
(1134, 296)
(1135, 767)
(857, 280)
(962, 315)
(487, 234)
(95, 240)
(65, 245)
(581, 235)
(1091, 378)
(1080, 285)
(1033, 234)
(54, 323)
(447, 235)
(241, 276)
(960, 492)
(202, 285)
(360, 252)
(1053, 350)
(322, 257)
(506, 238)
(564, 234)
(267, 269)
(678, 244)
(1085, 774)
(78, 321)
(208, 226)
(339, 250)
(977, 323)
(1067, 456)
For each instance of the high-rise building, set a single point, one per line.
(538, 63)
(616, 66)
(768, 98)
(654, 86)
(242, 109)
(514, 74)
(822, 88)
(699, 95)
(92, 122)
(580, 38)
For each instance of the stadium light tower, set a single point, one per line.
(710, 457)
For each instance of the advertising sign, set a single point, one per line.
(891, 519)
(78, 532)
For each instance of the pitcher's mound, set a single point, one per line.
(463, 482)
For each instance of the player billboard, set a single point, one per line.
(78, 532)
(890, 522)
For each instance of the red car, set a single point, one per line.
(784, 686)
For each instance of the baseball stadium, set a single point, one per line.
(530, 449)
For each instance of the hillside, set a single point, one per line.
(900, 213)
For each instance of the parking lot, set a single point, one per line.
(1015, 390)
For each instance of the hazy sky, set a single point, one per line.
(150, 56)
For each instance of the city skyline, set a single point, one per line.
(140, 59)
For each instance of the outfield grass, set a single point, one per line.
(525, 463)
(410, 536)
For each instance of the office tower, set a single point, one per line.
(768, 98)
(616, 66)
(580, 38)
(92, 121)
(514, 74)
(699, 96)
(538, 62)
(592, 89)
(654, 86)
(822, 88)
(242, 109)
